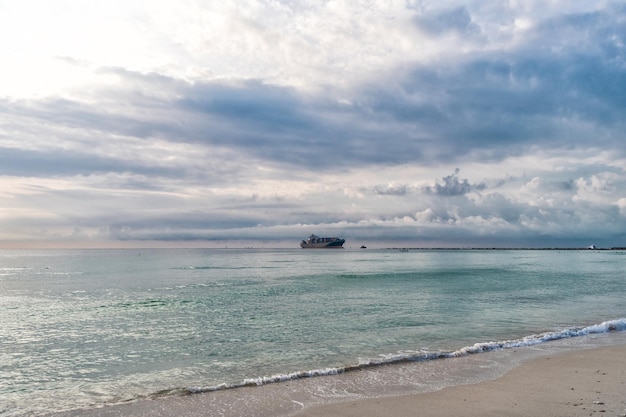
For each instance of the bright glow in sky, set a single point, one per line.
(257, 122)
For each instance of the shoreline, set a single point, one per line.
(574, 377)
(577, 383)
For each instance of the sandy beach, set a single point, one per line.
(575, 384)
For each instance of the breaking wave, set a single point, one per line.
(535, 339)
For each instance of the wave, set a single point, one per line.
(225, 268)
(535, 339)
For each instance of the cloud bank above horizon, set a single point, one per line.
(428, 123)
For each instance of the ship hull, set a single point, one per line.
(315, 242)
(322, 245)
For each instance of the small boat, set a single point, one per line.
(316, 242)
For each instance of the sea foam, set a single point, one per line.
(531, 340)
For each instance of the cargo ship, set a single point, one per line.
(316, 242)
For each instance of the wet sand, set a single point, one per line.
(574, 384)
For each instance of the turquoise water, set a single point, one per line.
(85, 328)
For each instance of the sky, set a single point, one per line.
(413, 123)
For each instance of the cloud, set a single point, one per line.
(390, 189)
(453, 187)
(269, 121)
(457, 21)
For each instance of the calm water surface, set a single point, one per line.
(84, 328)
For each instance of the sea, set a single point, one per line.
(85, 331)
